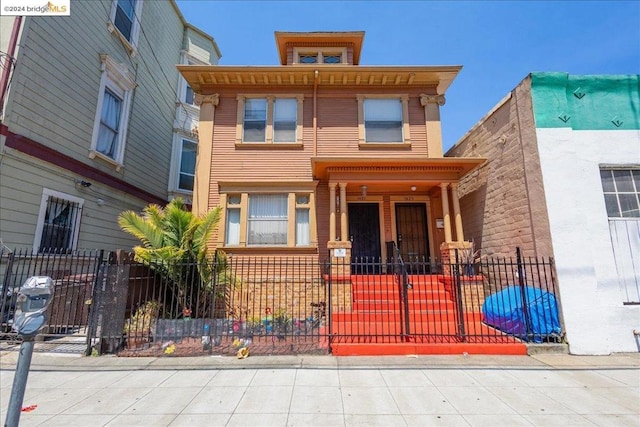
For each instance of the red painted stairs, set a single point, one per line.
(376, 322)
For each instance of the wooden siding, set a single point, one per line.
(22, 194)
(53, 101)
(55, 87)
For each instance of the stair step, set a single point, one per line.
(395, 305)
(395, 293)
(425, 316)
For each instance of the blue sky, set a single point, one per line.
(497, 42)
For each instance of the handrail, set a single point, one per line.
(400, 270)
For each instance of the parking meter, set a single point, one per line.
(30, 316)
(34, 297)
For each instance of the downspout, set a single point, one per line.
(315, 112)
(7, 67)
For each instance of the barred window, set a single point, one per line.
(58, 222)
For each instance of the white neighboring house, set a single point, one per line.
(563, 180)
(95, 119)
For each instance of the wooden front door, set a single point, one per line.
(364, 233)
(411, 229)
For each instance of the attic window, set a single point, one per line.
(308, 59)
(332, 59)
(319, 55)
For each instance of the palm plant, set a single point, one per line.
(174, 241)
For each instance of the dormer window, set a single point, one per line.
(314, 55)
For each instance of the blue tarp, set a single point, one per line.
(504, 310)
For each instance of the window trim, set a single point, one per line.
(130, 45)
(406, 135)
(245, 190)
(116, 77)
(269, 132)
(44, 200)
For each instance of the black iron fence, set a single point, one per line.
(109, 303)
(74, 275)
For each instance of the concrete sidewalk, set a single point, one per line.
(543, 390)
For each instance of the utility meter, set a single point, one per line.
(34, 297)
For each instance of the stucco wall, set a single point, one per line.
(596, 320)
(584, 122)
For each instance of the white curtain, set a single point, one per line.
(233, 226)
(109, 125)
(268, 219)
(302, 227)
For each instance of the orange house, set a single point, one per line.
(322, 154)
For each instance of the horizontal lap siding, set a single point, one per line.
(149, 145)
(22, 189)
(55, 87)
(256, 164)
(337, 126)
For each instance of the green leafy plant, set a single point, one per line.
(174, 242)
(142, 321)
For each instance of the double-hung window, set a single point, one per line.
(255, 120)
(269, 120)
(125, 21)
(258, 219)
(58, 222)
(112, 112)
(383, 120)
(108, 134)
(285, 112)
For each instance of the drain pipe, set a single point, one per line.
(316, 75)
(7, 66)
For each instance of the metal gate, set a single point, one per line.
(74, 275)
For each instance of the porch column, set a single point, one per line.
(445, 212)
(432, 104)
(456, 212)
(344, 232)
(332, 211)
